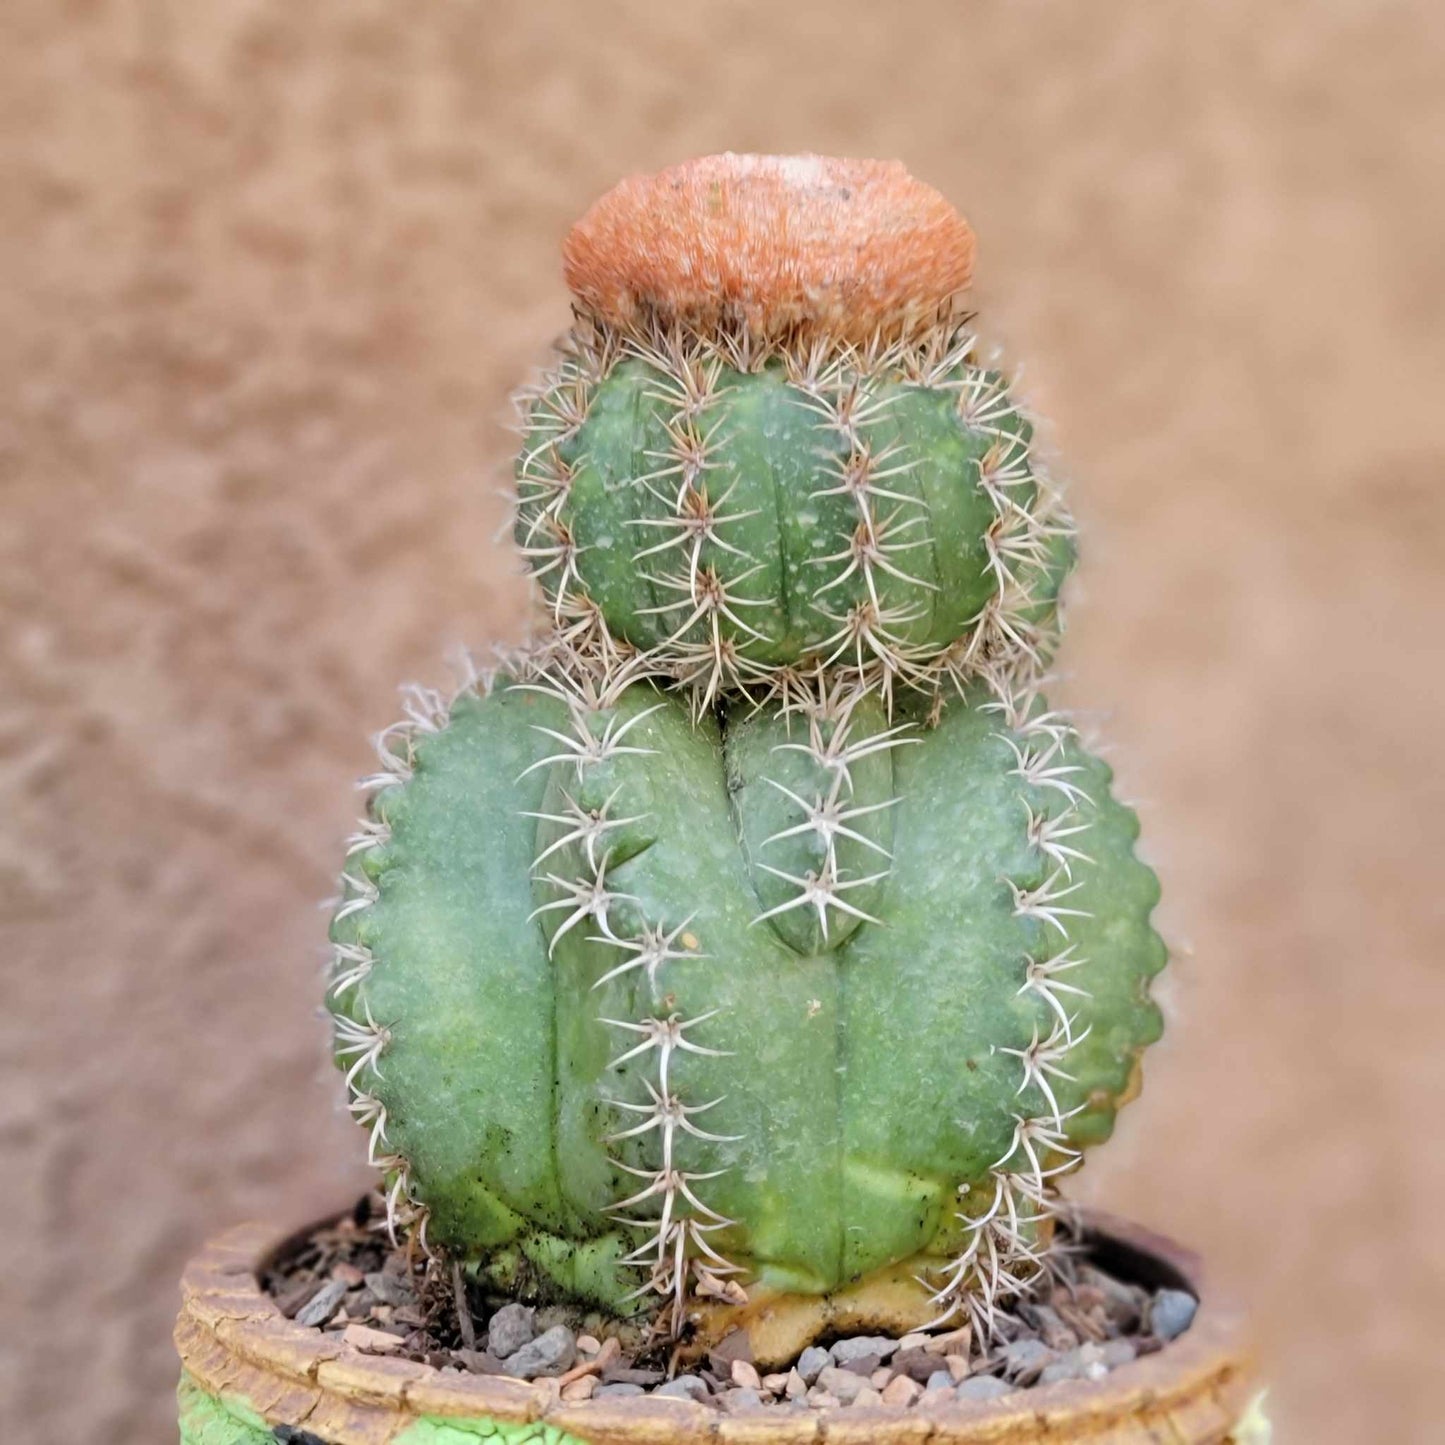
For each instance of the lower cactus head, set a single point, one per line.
(782, 1001)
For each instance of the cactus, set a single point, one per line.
(758, 945)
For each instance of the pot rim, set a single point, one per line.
(233, 1339)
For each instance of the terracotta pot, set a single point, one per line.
(253, 1377)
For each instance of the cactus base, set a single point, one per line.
(780, 1325)
(252, 1377)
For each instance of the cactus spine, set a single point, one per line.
(759, 936)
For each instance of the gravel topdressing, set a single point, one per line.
(347, 1279)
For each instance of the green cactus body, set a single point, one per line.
(733, 512)
(600, 978)
(760, 929)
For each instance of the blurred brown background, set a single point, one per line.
(267, 273)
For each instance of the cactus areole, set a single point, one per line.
(757, 945)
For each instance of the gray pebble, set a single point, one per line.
(510, 1328)
(841, 1384)
(1172, 1313)
(685, 1387)
(603, 1392)
(1086, 1362)
(390, 1289)
(939, 1380)
(860, 1347)
(1025, 1359)
(984, 1387)
(742, 1398)
(1065, 1369)
(553, 1353)
(813, 1359)
(1114, 1353)
(322, 1305)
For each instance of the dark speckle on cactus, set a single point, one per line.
(759, 936)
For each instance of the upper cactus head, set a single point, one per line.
(771, 442)
(842, 249)
(716, 955)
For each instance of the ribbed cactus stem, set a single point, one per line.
(733, 515)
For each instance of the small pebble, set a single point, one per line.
(510, 1328)
(810, 1362)
(684, 1387)
(626, 1375)
(617, 1391)
(901, 1391)
(984, 1387)
(374, 1342)
(912, 1342)
(820, 1399)
(1025, 1359)
(795, 1388)
(745, 1375)
(610, 1351)
(323, 1305)
(775, 1384)
(481, 1362)
(588, 1344)
(552, 1353)
(1117, 1352)
(843, 1384)
(917, 1364)
(1171, 1313)
(879, 1377)
(582, 1388)
(292, 1298)
(860, 1347)
(939, 1380)
(867, 1396)
(957, 1367)
(743, 1398)
(1081, 1363)
(348, 1274)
